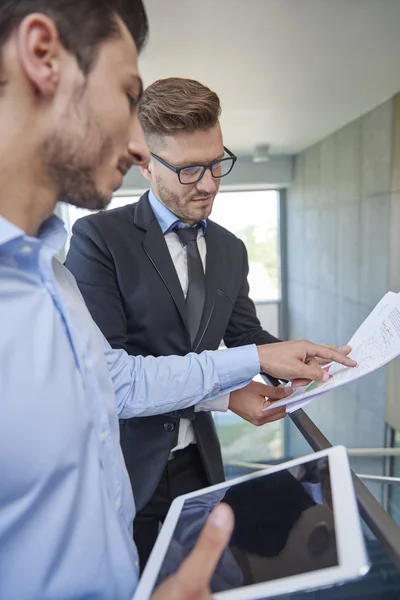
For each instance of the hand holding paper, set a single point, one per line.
(345, 351)
(375, 343)
(296, 360)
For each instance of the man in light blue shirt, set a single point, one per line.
(69, 131)
(59, 429)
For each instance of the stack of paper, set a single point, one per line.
(375, 343)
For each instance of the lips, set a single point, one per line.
(202, 199)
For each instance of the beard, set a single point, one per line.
(73, 176)
(70, 163)
(185, 210)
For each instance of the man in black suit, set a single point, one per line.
(160, 278)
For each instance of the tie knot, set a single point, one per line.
(187, 234)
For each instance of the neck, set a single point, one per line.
(25, 201)
(26, 197)
(182, 219)
(25, 207)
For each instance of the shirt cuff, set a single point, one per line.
(236, 365)
(220, 404)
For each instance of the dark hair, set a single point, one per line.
(82, 24)
(172, 105)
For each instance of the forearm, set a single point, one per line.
(146, 386)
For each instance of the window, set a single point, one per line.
(254, 217)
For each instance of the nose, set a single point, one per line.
(137, 146)
(208, 183)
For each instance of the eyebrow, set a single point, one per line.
(194, 164)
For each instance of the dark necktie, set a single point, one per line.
(197, 287)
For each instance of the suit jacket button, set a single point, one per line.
(169, 426)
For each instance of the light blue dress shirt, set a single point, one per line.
(66, 505)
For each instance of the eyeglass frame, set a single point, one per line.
(204, 166)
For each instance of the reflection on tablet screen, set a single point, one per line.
(284, 526)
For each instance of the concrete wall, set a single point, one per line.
(393, 382)
(343, 220)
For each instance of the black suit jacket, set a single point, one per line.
(126, 275)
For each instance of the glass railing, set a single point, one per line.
(378, 497)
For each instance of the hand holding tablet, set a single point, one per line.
(190, 581)
(296, 527)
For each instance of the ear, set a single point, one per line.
(39, 49)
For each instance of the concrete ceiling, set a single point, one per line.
(288, 72)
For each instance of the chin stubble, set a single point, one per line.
(70, 164)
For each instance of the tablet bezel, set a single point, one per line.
(352, 557)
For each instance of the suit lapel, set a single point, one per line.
(213, 276)
(156, 249)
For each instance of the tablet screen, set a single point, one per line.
(284, 526)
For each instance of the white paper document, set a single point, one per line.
(375, 343)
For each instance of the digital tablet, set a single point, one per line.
(297, 527)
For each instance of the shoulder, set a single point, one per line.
(105, 220)
(107, 226)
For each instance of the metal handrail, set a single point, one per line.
(373, 452)
(257, 466)
(377, 519)
(380, 478)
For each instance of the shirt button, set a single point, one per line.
(104, 437)
(176, 413)
(26, 250)
(118, 503)
(169, 427)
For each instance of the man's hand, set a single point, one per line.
(250, 401)
(344, 350)
(298, 360)
(192, 580)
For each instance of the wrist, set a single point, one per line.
(263, 358)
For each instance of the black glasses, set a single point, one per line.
(193, 173)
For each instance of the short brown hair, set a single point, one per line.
(174, 105)
(82, 24)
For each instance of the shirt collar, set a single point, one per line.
(52, 233)
(8, 231)
(166, 219)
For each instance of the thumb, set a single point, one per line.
(274, 393)
(198, 568)
(314, 372)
